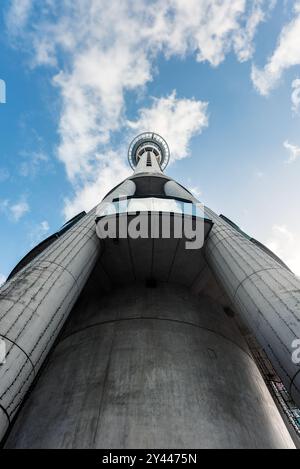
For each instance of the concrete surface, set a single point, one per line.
(34, 305)
(150, 368)
(264, 293)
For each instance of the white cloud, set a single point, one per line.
(285, 55)
(4, 174)
(38, 232)
(14, 211)
(110, 171)
(285, 244)
(243, 40)
(4, 204)
(177, 120)
(108, 48)
(93, 102)
(206, 27)
(293, 150)
(196, 191)
(32, 163)
(2, 279)
(296, 96)
(259, 174)
(19, 209)
(18, 14)
(211, 28)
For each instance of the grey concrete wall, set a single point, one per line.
(266, 295)
(153, 368)
(34, 305)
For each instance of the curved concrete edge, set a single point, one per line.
(115, 383)
(4, 423)
(16, 376)
(295, 387)
(33, 312)
(264, 293)
(164, 319)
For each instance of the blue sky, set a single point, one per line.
(219, 80)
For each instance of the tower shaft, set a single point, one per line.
(149, 368)
(147, 357)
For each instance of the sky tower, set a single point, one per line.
(129, 327)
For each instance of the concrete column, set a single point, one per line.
(34, 305)
(264, 293)
(149, 367)
(143, 167)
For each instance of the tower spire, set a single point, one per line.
(148, 152)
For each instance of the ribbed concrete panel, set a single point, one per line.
(34, 305)
(266, 294)
(15, 381)
(4, 420)
(149, 368)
